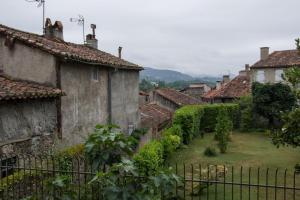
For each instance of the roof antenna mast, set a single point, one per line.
(80, 22)
(40, 3)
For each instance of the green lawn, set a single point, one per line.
(246, 150)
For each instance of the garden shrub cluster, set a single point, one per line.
(188, 122)
(196, 119)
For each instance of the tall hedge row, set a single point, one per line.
(189, 119)
(209, 119)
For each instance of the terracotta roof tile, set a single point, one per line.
(67, 50)
(236, 88)
(178, 98)
(15, 89)
(285, 58)
(155, 113)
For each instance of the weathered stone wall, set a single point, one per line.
(27, 63)
(25, 126)
(85, 103)
(125, 99)
(163, 102)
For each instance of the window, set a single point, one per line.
(260, 76)
(278, 75)
(95, 74)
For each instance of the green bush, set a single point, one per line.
(189, 118)
(170, 142)
(223, 128)
(150, 158)
(210, 152)
(174, 130)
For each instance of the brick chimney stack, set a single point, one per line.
(91, 40)
(54, 31)
(264, 53)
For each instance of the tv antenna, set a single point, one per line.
(80, 22)
(40, 3)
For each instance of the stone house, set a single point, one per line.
(154, 118)
(28, 116)
(196, 90)
(270, 67)
(172, 99)
(229, 91)
(99, 87)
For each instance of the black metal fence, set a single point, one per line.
(25, 177)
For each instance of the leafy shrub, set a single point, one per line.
(174, 130)
(106, 146)
(150, 157)
(210, 152)
(64, 157)
(170, 142)
(223, 128)
(247, 114)
(158, 186)
(136, 136)
(189, 118)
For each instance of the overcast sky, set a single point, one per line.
(192, 36)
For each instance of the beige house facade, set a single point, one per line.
(270, 67)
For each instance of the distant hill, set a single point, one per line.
(169, 76)
(164, 75)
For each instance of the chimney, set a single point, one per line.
(247, 67)
(120, 52)
(54, 31)
(264, 53)
(91, 40)
(218, 85)
(226, 79)
(245, 72)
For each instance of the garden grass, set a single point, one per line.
(246, 150)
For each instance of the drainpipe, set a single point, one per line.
(109, 99)
(58, 100)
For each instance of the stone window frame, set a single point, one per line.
(263, 74)
(95, 74)
(278, 78)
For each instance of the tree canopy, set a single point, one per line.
(271, 100)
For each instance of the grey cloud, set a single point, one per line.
(193, 36)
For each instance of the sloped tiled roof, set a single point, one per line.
(176, 97)
(285, 58)
(67, 50)
(236, 88)
(15, 89)
(155, 113)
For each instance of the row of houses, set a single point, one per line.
(52, 89)
(268, 69)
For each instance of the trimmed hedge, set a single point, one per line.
(197, 119)
(189, 119)
(211, 111)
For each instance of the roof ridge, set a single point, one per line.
(68, 50)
